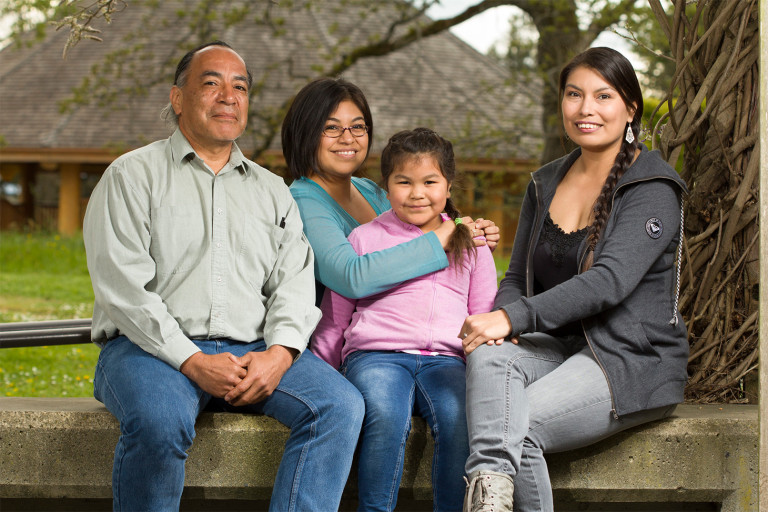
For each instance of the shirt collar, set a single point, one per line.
(182, 150)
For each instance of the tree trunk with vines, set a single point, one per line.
(713, 123)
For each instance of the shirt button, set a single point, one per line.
(219, 210)
(218, 279)
(218, 245)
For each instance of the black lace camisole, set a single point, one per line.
(555, 260)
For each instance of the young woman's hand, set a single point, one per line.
(490, 328)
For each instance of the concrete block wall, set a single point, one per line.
(61, 449)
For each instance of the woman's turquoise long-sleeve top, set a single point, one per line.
(337, 265)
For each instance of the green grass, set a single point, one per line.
(65, 370)
(43, 276)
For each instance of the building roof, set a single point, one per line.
(439, 81)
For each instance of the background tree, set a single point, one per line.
(713, 122)
(565, 28)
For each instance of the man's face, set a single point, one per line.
(213, 103)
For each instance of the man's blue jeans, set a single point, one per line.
(396, 386)
(157, 407)
(543, 395)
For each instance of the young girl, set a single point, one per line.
(400, 348)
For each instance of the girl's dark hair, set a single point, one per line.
(619, 73)
(420, 142)
(303, 124)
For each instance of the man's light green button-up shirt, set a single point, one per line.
(177, 252)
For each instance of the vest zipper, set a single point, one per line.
(581, 262)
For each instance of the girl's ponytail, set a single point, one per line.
(461, 239)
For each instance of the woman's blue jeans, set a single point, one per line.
(157, 405)
(543, 395)
(396, 386)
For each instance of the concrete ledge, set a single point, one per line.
(62, 449)
(702, 454)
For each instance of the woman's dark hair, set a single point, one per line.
(619, 73)
(417, 143)
(303, 124)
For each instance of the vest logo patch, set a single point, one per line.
(653, 228)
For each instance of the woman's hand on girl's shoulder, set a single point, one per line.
(486, 228)
(490, 328)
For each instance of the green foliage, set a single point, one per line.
(650, 43)
(655, 107)
(29, 19)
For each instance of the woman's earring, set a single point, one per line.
(629, 137)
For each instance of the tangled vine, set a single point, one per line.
(712, 125)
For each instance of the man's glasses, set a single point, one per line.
(334, 131)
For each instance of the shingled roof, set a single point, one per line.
(439, 81)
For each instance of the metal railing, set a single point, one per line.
(52, 332)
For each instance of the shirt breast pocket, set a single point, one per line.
(259, 252)
(178, 238)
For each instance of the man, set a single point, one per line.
(205, 297)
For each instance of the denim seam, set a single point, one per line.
(569, 412)
(401, 455)
(118, 462)
(435, 437)
(535, 481)
(511, 362)
(305, 448)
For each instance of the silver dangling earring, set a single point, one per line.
(629, 137)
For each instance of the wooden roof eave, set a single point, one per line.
(58, 155)
(271, 157)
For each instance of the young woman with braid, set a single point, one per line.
(585, 339)
(400, 348)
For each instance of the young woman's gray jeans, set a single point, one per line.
(543, 395)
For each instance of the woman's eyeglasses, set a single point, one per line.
(335, 131)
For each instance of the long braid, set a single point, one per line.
(461, 238)
(602, 207)
(617, 71)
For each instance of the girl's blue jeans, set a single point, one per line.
(396, 386)
(157, 405)
(543, 395)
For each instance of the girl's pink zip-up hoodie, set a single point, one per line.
(420, 315)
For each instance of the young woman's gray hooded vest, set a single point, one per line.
(627, 300)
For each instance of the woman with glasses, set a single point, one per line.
(326, 136)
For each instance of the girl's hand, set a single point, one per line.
(489, 230)
(490, 328)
